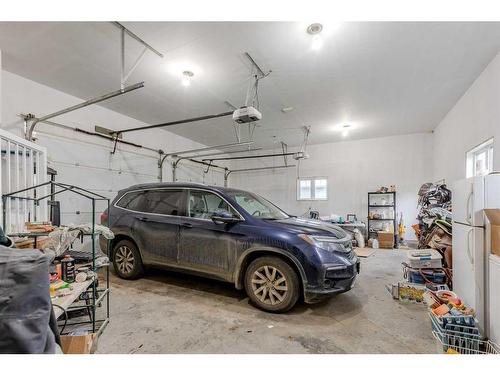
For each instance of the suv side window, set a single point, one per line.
(165, 202)
(133, 201)
(203, 204)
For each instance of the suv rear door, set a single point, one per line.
(206, 246)
(156, 223)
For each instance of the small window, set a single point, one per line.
(132, 201)
(203, 204)
(312, 188)
(480, 159)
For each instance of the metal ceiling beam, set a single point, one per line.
(259, 69)
(100, 135)
(176, 163)
(227, 145)
(209, 165)
(134, 36)
(227, 152)
(260, 168)
(98, 99)
(252, 156)
(177, 122)
(125, 75)
(163, 157)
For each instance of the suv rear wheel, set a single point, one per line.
(272, 284)
(127, 260)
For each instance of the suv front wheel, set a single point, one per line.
(271, 284)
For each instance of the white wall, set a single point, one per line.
(86, 160)
(474, 119)
(353, 168)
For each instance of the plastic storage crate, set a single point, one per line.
(462, 344)
(456, 332)
(414, 275)
(452, 321)
(428, 258)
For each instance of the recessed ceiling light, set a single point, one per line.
(345, 130)
(314, 28)
(287, 109)
(187, 75)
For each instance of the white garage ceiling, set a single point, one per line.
(382, 78)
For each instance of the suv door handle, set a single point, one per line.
(187, 225)
(142, 219)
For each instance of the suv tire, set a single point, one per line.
(127, 260)
(272, 284)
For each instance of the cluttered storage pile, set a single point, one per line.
(77, 285)
(454, 324)
(434, 228)
(422, 271)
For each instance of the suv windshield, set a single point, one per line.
(257, 206)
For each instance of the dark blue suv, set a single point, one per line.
(231, 235)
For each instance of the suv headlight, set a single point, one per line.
(342, 245)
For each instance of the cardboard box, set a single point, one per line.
(385, 240)
(493, 215)
(85, 344)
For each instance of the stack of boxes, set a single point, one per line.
(385, 240)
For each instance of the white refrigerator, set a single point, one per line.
(470, 251)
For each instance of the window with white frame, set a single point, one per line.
(480, 159)
(312, 188)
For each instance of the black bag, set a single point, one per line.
(25, 306)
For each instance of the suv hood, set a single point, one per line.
(313, 227)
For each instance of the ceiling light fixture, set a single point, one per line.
(187, 75)
(315, 30)
(345, 130)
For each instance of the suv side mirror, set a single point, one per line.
(224, 217)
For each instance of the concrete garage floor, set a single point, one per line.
(167, 312)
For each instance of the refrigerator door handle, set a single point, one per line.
(468, 214)
(469, 254)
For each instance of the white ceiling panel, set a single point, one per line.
(383, 78)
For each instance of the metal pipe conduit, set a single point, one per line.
(252, 156)
(86, 103)
(177, 122)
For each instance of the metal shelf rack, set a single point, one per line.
(94, 295)
(391, 207)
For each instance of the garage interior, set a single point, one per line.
(379, 131)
